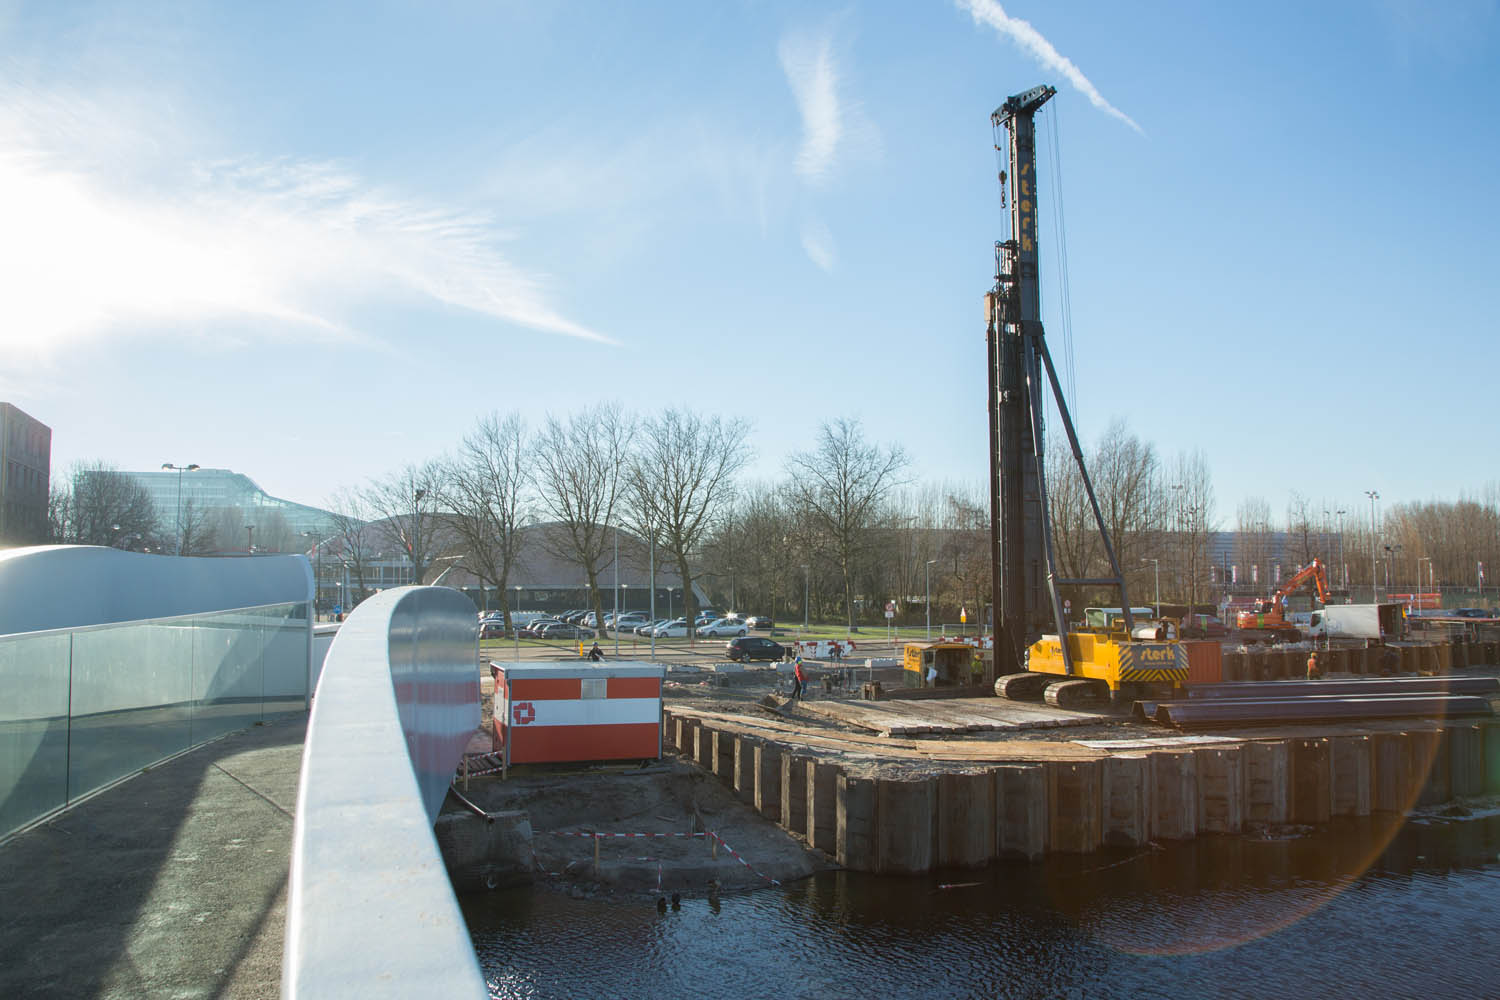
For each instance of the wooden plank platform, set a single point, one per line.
(946, 717)
(870, 746)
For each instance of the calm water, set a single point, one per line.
(1351, 912)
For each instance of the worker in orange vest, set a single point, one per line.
(1313, 673)
(798, 678)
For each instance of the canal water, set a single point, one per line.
(1361, 909)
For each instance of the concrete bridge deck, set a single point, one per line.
(171, 883)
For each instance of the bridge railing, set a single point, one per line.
(112, 661)
(370, 912)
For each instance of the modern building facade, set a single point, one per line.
(224, 489)
(25, 469)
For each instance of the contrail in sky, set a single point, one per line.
(810, 70)
(1029, 39)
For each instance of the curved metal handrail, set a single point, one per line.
(370, 910)
(56, 587)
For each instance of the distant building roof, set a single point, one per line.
(220, 488)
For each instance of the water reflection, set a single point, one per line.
(1347, 912)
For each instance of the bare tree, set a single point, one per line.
(964, 555)
(1193, 491)
(578, 475)
(1253, 540)
(760, 555)
(102, 506)
(197, 529)
(681, 478)
(404, 505)
(841, 485)
(1300, 529)
(485, 488)
(1127, 484)
(353, 546)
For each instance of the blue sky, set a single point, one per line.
(312, 242)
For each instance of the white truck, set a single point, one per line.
(1378, 622)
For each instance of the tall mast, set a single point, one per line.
(1026, 579)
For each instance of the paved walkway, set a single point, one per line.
(171, 884)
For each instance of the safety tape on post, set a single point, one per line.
(482, 764)
(735, 854)
(627, 836)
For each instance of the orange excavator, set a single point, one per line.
(1268, 621)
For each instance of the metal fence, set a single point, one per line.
(370, 912)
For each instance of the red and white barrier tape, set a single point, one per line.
(625, 836)
(735, 854)
(611, 836)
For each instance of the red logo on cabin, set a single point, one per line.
(522, 713)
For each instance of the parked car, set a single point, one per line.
(493, 629)
(563, 630)
(1204, 627)
(628, 623)
(675, 629)
(760, 622)
(723, 626)
(533, 629)
(650, 627)
(754, 647)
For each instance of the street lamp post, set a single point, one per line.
(249, 539)
(1428, 559)
(317, 570)
(928, 602)
(1345, 565)
(515, 628)
(179, 469)
(616, 619)
(1374, 495)
(1156, 566)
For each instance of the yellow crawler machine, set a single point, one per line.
(1111, 664)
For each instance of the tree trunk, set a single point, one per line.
(593, 576)
(689, 604)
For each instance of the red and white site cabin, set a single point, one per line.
(551, 713)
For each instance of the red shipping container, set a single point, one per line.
(548, 713)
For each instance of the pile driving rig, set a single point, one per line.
(1035, 652)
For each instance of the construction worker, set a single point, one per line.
(595, 653)
(798, 677)
(1313, 673)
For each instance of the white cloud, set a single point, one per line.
(1031, 41)
(818, 242)
(116, 223)
(809, 67)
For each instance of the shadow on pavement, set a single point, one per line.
(171, 883)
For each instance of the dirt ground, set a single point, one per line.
(666, 826)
